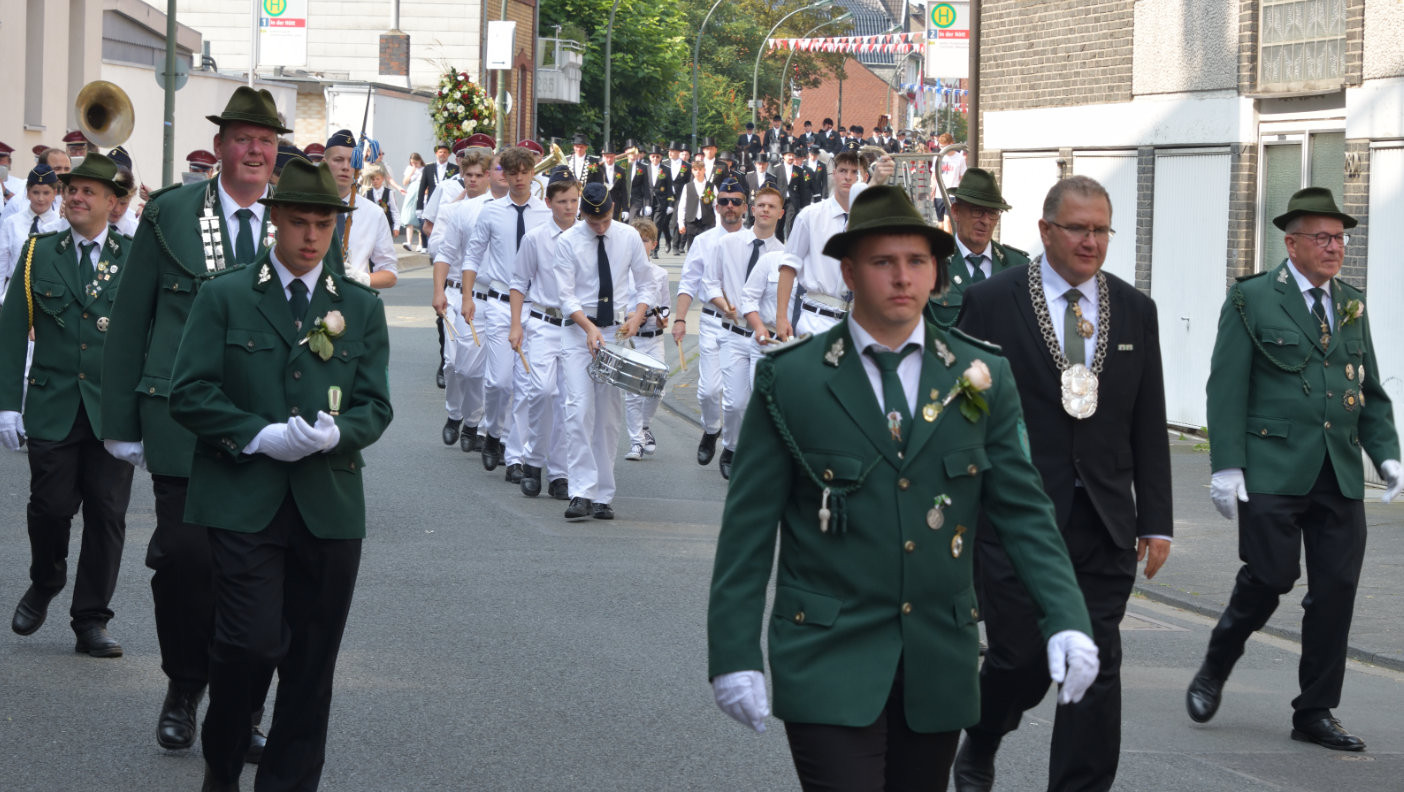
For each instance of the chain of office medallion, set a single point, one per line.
(1045, 321)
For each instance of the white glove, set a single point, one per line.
(11, 429)
(741, 694)
(324, 435)
(648, 211)
(1394, 479)
(133, 454)
(279, 442)
(624, 217)
(1073, 664)
(1225, 487)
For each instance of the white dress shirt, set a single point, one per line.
(534, 271)
(391, 201)
(14, 232)
(578, 273)
(1305, 287)
(986, 264)
(804, 248)
(443, 192)
(726, 268)
(228, 206)
(1054, 287)
(370, 247)
(128, 222)
(695, 265)
(909, 371)
(285, 276)
(492, 248)
(761, 293)
(449, 241)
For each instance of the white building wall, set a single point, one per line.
(1384, 24)
(1185, 45)
(1196, 119)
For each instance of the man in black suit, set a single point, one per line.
(637, 175)
(828, 138)
(807, 137)
(441, 170)
(761, 175)
(794, 181)
(774, 138)
(1100, 444)
(748, 145)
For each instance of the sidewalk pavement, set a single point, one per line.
(1200, 572)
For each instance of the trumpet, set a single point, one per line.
(556, 157)
(105, 114)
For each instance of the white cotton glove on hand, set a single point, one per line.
(278, 441)
(1226, 488)
(648, 211)
(741, 694)
(133, 454)
(323, 435)
(1073, 664)
(11, 429)
(1394, 479)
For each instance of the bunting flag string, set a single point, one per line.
(886, 43)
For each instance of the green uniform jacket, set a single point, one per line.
(70, 320)
(241, 367)
(1280, 402)
(944, 309)
(853, 602)
(168, 268)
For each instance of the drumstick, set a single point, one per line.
(449, 324)
(474, 331)
(525, 365)
(682, 359)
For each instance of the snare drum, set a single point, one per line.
(629, 370)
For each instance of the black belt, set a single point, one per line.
(832, 313)
(496, 295)
(480, 295)
(558, 321)
(744, 333)
(649, 333)
(708, 308)
(450, 283)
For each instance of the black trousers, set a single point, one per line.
(64, 476)
(1272, 530)
(281, 600)
(1014, 677)
(886, 756)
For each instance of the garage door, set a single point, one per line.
(1116, 171)
(1026, 180)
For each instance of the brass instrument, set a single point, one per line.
(556, 157)
(105, 114)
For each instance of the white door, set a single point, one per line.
(1385, 288)
(1026, 180)
(1189, 249)
(1116, 171)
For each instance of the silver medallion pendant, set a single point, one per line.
(935, 518)
(1079, 391)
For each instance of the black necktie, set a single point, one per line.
(297, 303)
(34, 226)
(604, 309)
(521, 224)
(894, 396)
(340, 228)
(1318, 309)
(976, 273)
(845, 221)
(244, 243)
(755, 254)
(85, 261)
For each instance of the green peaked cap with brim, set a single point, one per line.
(251, 107)
(886, 210)
(978, 187)
(99, 168)
(1312, 201)
(305, 184)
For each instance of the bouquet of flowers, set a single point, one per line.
(460, 107)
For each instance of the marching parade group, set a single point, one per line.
(929, 429)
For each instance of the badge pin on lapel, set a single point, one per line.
(334, 399)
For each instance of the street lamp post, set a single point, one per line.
(696, 53)
(755, 73)
(844, 17)
(609, 54)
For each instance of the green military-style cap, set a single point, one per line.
(886, 210)
(978, 187)
(251, 107)
(307, 185)
(99, 168)
(1312, 201)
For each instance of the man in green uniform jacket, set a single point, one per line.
(975, 208)
(268, 347)
(874, 463)
(1294, 397)
(62, 292)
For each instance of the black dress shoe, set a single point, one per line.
(31, 611)
(469, 441)
(439, 377)
(450, 433)
(257, 742)
(514, 473)
(531, 481)
(975, 763)
(725, 463)
(175, 731)
(95, 642)
(492, 453)
(213, 785)
(559, 489)
(1202, 698)
(707, 448)
(602, 511)
(1327, 732)
(579, 509)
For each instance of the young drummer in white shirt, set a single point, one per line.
(639, 410)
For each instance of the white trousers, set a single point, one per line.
(542, 393)
(738, 367)
(494, 323)
(709, 385)
(463, 365)
(639, 410)
(593, 415)
(811, 322)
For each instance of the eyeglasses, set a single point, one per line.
(981, 212)
(730, 201)
(1103, 234)
(1324, 239)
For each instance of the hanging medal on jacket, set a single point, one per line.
(1079, 382)
(211, 234)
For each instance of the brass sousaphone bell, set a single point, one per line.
(105, 114)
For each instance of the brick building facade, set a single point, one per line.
(859, 99)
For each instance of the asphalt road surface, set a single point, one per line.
(493, 646)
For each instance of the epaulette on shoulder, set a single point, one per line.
(41, 235)
(774, 349)
(168, 188)
(1351, 287)
(976, 342)
(1013, 249)
(1243, 278)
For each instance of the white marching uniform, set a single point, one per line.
(709, 329)
(761, 295)
(369, 247)
(541, 391)
(463, 359)
(825, 299)
(594, 411)
(639, 410)
(443, 194)
(491, 255)
(14, 232)
(726, 276)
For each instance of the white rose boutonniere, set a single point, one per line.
(1353, 311)
(319, 338)
(972, 385)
